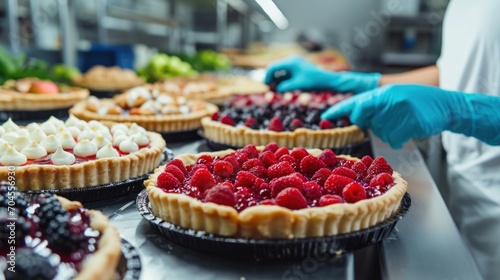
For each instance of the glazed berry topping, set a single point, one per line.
(294, 179)
(50, 241)
(281, 112)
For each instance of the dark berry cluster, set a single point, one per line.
(14, 223)
(279, 114)
(32, 266)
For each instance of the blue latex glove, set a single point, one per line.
(398, 113)
(298, 74)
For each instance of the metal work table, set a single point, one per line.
(425, 245)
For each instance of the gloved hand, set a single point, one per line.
(296, 73)
(398, 113)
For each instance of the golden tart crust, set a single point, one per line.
(103, 262)
(301, 137)
(159, 123)
(14, 100)
(267, 221)
(90, 173)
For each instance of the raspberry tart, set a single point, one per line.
(147, 107)
(274, 192)
(76, 154)
(290, 119)
(50, 237)
(35, 94)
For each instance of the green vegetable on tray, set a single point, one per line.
(162, 66)
(18, 67)
(208, 60)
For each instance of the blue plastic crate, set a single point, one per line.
(106, 55)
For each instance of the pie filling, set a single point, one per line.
(55, 142)
(281, 112)
(35, 86)
(294, 179)
(45, 240)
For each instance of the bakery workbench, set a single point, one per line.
(425, 245)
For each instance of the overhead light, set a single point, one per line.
(274, 13)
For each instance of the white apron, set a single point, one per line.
(470, 62)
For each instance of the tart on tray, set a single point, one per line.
(76, 153)
(149, 108)
(211, 88)
(290, 119)
(103, 78)
(273, 192)
(50, 237)
(35, 94)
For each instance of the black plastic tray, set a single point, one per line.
(271, 249)
(107, 191)
(181, 136)
(33, 115)
(129, 266)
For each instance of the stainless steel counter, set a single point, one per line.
(426, 244)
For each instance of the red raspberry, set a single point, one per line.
(325, 124)
(174, 170)
(196, 167)
(336, 183)
(281, 183)
(347, 163)
(251, 163)
(311, 190)
(280, 169)
(167, 182)
(329, 199)
(321, 175)
(381, 180)
(215, 116)
(281, 152)
(299, 153)
(241, 157)
(177, 162)
(273, 147)
(259, 171)
(379, 165)
(275, 124)
(296, 123)
(202, 179)
(268, 158)
(251, 151)
(245, 179)
(268, 202)
(223, 168)
(244, 199)
(228, 184)
(252, 123)
(293, 161)
(262, 189)
(227, 120)
(300, 176)
(346, 172)
(310, 164)
(360, 168)
(354, 192)
(367, 160)
(233, 161)
(329, 158)
(222, 195)
(291, 198)
(205, 159)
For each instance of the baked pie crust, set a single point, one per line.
(159, 123)
(14, 100)
(268, 221)
(302, 137)
(89, 173)
(103, 262)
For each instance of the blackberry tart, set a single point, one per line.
(49, 237)
(291, 120)
(76, 154)
(274, 192)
